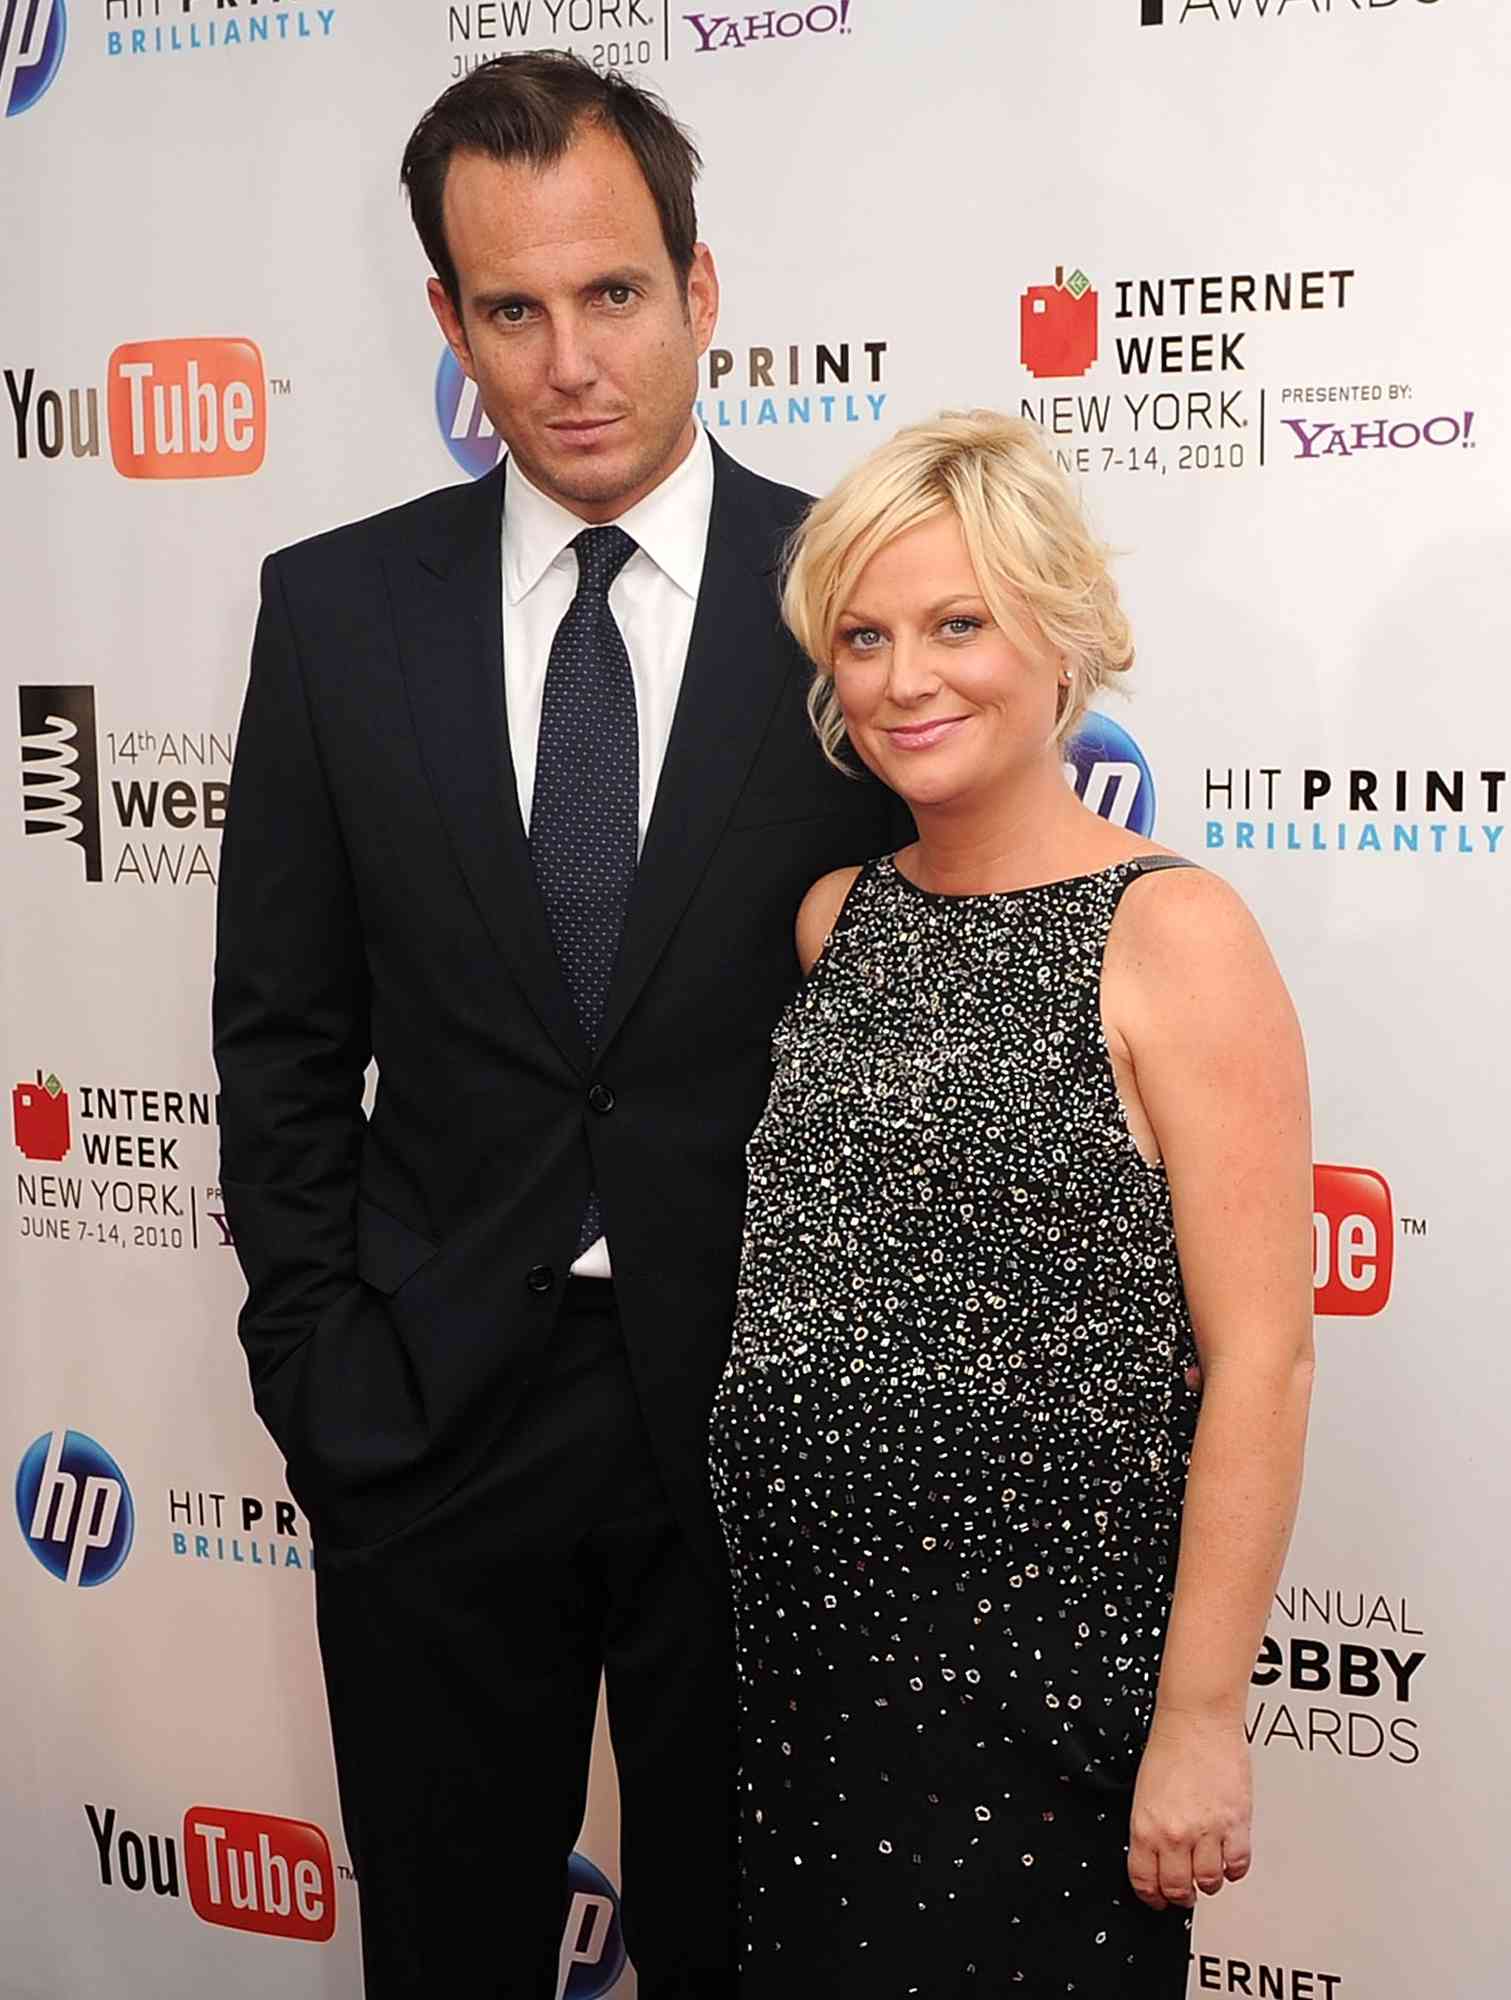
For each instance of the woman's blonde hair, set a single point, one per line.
(1042, 572)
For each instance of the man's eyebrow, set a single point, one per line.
(622, 274)
(633, 275)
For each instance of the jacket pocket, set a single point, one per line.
(389, 1252)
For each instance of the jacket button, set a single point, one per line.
(540, 1277)
(601, 1098)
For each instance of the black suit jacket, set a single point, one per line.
(377, 900)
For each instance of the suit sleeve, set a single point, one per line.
(290, 1010)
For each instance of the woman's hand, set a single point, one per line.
(1192, 1808)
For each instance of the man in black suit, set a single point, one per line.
(525, 801)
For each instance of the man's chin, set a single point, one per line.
(602, 481)
(602, 478)
(595, 476)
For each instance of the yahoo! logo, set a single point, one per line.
(464, 423)
(1328, 440)
(771, 24)
(1108, 772)
(75, 1508)
(32, 34)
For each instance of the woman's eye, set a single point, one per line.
(961, 628)
(861, 638)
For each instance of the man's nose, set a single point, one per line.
(572, 367)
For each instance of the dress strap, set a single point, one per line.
(1143, 864)
(1150, 864)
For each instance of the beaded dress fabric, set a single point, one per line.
(949, 1452)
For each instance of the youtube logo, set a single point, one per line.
(187, 409)
(1353, 1241)
(255, 1873)
(244, 1871)
(175, 409)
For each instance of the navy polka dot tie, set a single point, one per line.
(585, 812)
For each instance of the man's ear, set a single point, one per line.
(449, 321)
(702, 296)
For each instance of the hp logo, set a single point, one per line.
(592, 1949)
(465, 425)
(32, 34)
(1107, 771)
(75, 1508)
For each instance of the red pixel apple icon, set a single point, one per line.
(1058, 325)
(39, 1115)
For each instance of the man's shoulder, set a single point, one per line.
(430, 519)
(771, 509)
(747, 503)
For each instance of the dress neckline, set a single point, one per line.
(1002, 895)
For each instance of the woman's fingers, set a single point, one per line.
(1237, 1855)
(1143, 1872)
(1207, 1864)
(1188, 1830)
(1175, 1883)
(1174, 1872)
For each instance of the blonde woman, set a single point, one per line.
(1036, 1146)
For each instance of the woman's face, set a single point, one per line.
(937, 699)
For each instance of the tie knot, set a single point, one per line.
(601, 554)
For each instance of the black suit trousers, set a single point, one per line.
(462, 1660)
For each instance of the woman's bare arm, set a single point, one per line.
(1196, 1009)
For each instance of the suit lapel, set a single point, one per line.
(448, 612)
(735, 670)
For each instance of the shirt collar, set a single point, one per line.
(670, 524)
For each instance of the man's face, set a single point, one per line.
(573, 323)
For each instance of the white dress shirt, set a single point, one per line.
(653, 599)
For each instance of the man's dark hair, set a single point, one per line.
(531, 107)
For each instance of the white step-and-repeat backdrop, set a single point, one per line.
(1246, 261)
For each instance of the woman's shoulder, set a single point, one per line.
(1170, 903)
(1186, 944)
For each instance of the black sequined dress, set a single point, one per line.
(949, 1453)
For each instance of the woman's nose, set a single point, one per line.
(910, 676)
